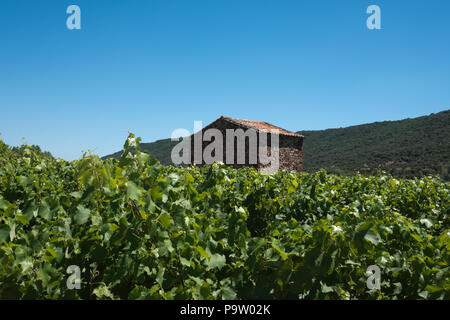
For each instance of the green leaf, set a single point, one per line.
(185, 262)
(417, 237)
(433, 289)
(76, 194)
(326, 289)
(372, 237)
(398, 288)
(12, 232)
(4, 232)
(3, 204)
(160, 276)
(203, 253)
(103, 292)
(27, 265)
(228, 294)
(52, 252)
(275, 245)
(133, 191)
(189, 178)
(44, 211)
(139, 293)
(82, 215)
(426, 222)
(217, 261)
(165, 219)
(22, 219)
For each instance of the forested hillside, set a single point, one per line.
(405, 148)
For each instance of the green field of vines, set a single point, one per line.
(141, 230)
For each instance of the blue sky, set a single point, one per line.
(152, 66)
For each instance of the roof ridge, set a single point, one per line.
(241, 122)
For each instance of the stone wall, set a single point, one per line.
(290, 148)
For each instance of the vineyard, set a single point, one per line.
(141, 230)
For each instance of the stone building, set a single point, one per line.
(241, 143)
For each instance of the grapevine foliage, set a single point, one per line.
(140, 230)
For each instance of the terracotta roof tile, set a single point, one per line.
(261, 126)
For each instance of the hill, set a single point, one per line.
(160, 149)
(405, 148)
